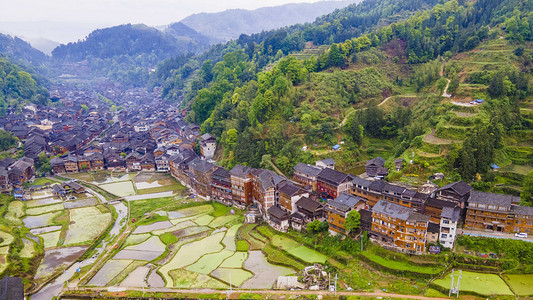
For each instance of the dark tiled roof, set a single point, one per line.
(434, 202)
(376, 161)
(333, 176)
(399, 212)
(306, 169)
(451, 213)
(308, 204)
(289, 189)
(328, 161)
(344, 202)
(522, 210)
(492, 199)
(201, 165)
(366, 215)
(377, 185)
(433, 227)
(278, 213)
(221, 172)
(361, 182)
(460, 187)
(240, 171)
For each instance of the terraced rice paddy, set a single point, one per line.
(235, 277)
(265, 274)
(522, 284)
(190, 253)
(44, 209)
(86, 224)
(479, 283)
(51, 238)
(5, 238)
(42, 202)
(153, 226)
(208, 263)
(235, 261)
(57, 259)
(109, 271)
(81, 203)
(40, 220)
(301, 252)
(28, 249)
(121, 189)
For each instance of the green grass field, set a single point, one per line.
(400, 265)
(297, 250)
(522, 284)
(479, 283)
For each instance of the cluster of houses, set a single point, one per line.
(152, 136)
(395, 216)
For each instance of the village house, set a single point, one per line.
(179, 166)
(58, 165)
(456, 192)
(448, 226)
(208, 144)
(488, 211)
(306, 175)
(288, 195)
(307, 210)
(325, 163)
(221, 184)
(278, 218)
(162, 163)
(333, 182)
(241, 185)
(201, 172)
(20, 171)
(264, 187)
(523, 219)
(399, 227)
(375, 168)
(133, 161)
(338, 210)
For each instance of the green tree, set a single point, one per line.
(527, 189)
(353, 222)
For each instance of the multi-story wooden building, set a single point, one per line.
(338, 210)
(201, 172)
(399, 226)
(221, 184)
(333, 182)
(264, 187)
(306, 175)
(433, 207)
(71, 164)
(58, 165)
(448, 225)
(456, 192)
(489, 211)
(241, 185)
(288, 194)
(523, 219)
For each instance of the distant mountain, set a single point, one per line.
(131, 40)
(20, 51)
(230, 24)
(44, 45)
(181, 31)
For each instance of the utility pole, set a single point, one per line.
(336, 284)
(451, 284)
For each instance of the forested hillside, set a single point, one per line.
(127, 52)
(20, 51)
(18, 87)
(266, 96)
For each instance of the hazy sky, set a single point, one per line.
(112, 12)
